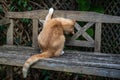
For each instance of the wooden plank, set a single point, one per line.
(77, 15)
(107, 65)
(85, 34)
(39, 14)
(87, 37)
(98, 27)
(80, 43)
(114, 73)
(10, 33)
(35, 33)
(82, 30)
(4, 21)
(77, 26)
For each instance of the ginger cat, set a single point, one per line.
(51, 39)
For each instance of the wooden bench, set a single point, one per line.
(91, 63)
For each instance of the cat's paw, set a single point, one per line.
(62, 53)
(51, 10)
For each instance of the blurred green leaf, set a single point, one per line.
(25, 4)
(12, 8)
(90, 31)
(19, 2)
(24, 20)
(29, 8)
(97, 9)
(3, 27)
(44, 72)
(47, 78)
(83, 5)
(1, 10)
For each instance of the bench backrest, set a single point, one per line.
(90, 17)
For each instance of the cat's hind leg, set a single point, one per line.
(58, 52)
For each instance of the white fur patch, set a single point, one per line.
(49, 15)
(62, 52)
(51, 10)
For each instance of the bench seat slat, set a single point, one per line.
(92, 63)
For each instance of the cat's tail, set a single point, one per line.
(49, 15)
(34, 59)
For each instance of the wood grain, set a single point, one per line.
(10, 33)
(35, 33)
(82, 30)
(91, 63)
(79, 43)
(76, 15)
(85, 34)
(98, 27)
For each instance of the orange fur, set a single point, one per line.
(51, 39)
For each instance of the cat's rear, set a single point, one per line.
(51, 41)
(50, 35)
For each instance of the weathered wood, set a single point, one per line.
(107, 65)
(98, 27)
(81, 30)
(4, 21)
(79, 43)
(35, 33)
(10, 33)
(77, 15)
(77, 26)
(85, 35)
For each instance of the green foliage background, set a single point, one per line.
(85, 5)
